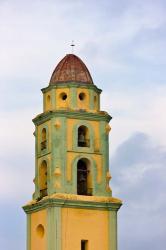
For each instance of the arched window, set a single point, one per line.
(83, 137)
(95, 102)
(43, 139)
(84, 177)
(48, 102)
(43, 179)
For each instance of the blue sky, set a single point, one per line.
(123, 45)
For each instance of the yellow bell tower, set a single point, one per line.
(72, 206)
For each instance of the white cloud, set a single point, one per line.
(17, 130)
(17, 155)
(16, 184)
(134, 110)
(138, 170)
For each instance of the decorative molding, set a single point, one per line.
(113, 230)
(108, 188)
(108, 178)
(57, 124)
(71, 85)
(100, 116)
(75, 137)
(74, 201)
(108, 129)
(57, 184)
(57, 171)
(75, 197)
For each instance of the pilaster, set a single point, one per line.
(28, 240)
(54, 228)
(113, 230)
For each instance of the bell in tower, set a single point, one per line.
(83, 139)
(72, 207)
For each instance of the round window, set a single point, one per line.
(82, 96)
(40, 230)
(63, 96)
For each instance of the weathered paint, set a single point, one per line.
(73, 84)
(47, 103)
(68, 218)
(60, 103)
(90, 102)
(72, 134)
(85, 103)
(82, 224)
(37, 241)
(66, 221)
(54, 228)
(47, 126)
(112, 230)
(76, 201)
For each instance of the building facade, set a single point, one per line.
(72, 206)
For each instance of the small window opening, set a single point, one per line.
(82, 96)
(40, 230)
(43, 139)
(43, 179)
(63, 96)
(48, 100)
(84, 178)
(84, 244)
(95, 102)
(83, 137)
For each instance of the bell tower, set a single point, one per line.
(72, 206)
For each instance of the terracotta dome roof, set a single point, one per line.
(71, 69)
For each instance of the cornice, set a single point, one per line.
(74, 201)
(100, 116)
(71, 85)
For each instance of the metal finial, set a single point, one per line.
(72, 46)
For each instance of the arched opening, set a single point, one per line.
(82, 96)
(40, 231)
(84, 177)
(63, 96)
(48, 102)
(95, 103)
(43, 139)
(83, 137)
(43, 179)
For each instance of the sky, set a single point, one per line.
(122, 42)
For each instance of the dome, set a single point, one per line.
(71, 69)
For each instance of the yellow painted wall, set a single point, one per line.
(70, 125)
(83, 104)
(40, 160)
(96, 102)
(38, 242)
(47, 101)
(60, 103)
(81, 224)
(39, 130)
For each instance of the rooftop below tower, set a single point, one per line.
(71, 69)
